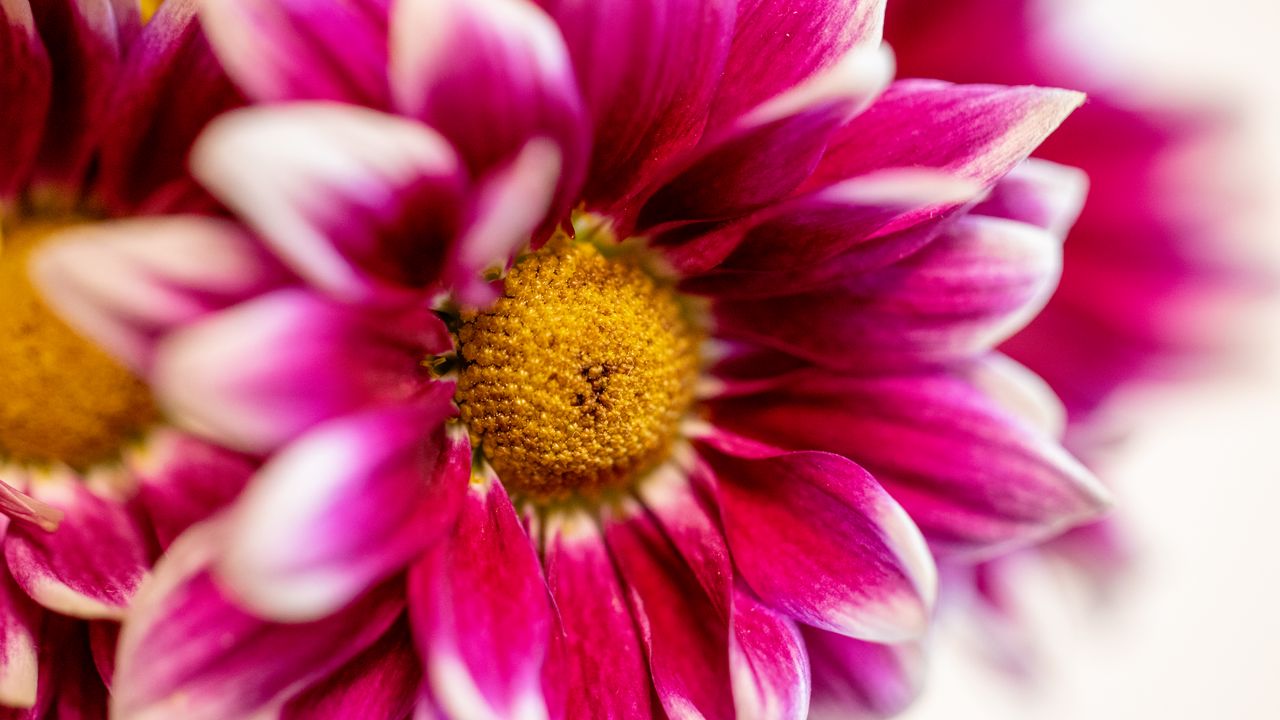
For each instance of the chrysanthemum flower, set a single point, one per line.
(605, 314)
(96, 114)
(1142, 273)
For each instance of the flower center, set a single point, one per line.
(61, 398)
(575, 381)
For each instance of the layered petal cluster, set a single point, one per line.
(851, 250)
(97, 111)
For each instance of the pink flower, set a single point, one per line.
(90, 128)
(624, 348)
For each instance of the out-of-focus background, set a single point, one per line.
(1194, 632)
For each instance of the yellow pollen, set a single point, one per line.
(61, 398)
(576, 380)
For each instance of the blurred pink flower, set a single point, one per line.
(629, 476)
(96, 114)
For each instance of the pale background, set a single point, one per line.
(1196, 631)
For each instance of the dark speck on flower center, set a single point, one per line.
(576, 380)
(62, 399)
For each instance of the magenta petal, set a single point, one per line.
(971, 473)
(381, 682)
(770, 150)
(91, 565)
(819, 540)
(20, 621)
(779, 43)
(262, 373)
(171, 85)
(481, 613)
(184, 480)
(25, 74)
(353, 200)
(968, 290)
(490, 75)
(649, 101)
(771, 677)
(1040, 193)
(344, 507)
(127, 283)
(853, 678)
(303, 50)
(975, 131)
(800, 236)
(85, 40)
(187, 651)
(600, 661)
(685, 634)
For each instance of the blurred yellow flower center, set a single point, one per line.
(61, 398)
(149, 8)
(575, 381)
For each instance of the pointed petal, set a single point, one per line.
(24, 73)
(490, 75)
(187, 651)
(279, 50)
(353, 200)
(19, 625)
(768, 661)
(770, 150)
(649, 102)
(184, 480)
(601, 661)
(344, 507)
(973, 475)
(976, 131)
(685, 635)
(169, 88)
(381, 682)
(92, 564)
(481, 613)
(853, 678)
(778, 44)
(125, 284)
(816, 538)
(862, 215)
(972, 287)
(260, 374)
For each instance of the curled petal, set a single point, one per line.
(968, 290)
(127, 283)
(816, 538)
(260, 374)
(974, 470)
(1039, 193)
(187, 650)
(91, 565)
(854, 678)
(490, 75)
(20, 621)
(481, 613)
(768, 662)
(355, 201)
(343, 508)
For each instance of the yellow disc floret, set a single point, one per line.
(61, 398)
(575, 381)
